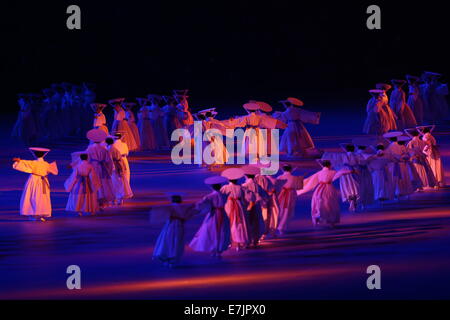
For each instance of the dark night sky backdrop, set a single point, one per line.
(221, 50)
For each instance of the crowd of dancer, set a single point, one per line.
(244, 207)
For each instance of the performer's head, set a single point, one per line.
(326, 164)
(350, 148)
(380, 147)
(287, 168)
(393, 139)
(233, 181)
(176, 199)
(109, 141)
(426, 130)
(216, 187)
(84, 156)
(250, 176)
(39, 154)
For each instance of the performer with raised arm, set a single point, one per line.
(213, 235)
(99, 117)
(416, 149)
(325, 200)
(181, 97)
(83, 185)
(296, 139)
(234, 207)
(35, 201)
(169, 246)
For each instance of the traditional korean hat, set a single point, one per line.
(251, 169)
(96, 135)
(393, 134)
(233, 173)
(376, 91)
(383, 86)
(98, 106)
(118, 134)
(180, 93)
(206, 111)
(428, 74)
(168, 99)
(363, 142)
(403, 138)
(116, 101)
(35, 150)
(142, 101)
(412, 132)
(411, 78)
(421, 128)
(398, 82)
(296, 102)
(322, 162)
(265, 107)
(215, 180)
(251, 106)
(344, 146)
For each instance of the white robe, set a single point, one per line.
(405, 116)
(148, 138)
(420, 163)
(121, 124)
(270, 208)
(122, 189)
(35, 200)
(101, 160)
(213, 236)
(123, 149)
(134, 129)
(287, 185)
(235, 211)
(382, 178)
(257, 196)
(100, 122)
(325, 200)
(83, 184)
(434, 158)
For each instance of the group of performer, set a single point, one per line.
(59, 111)
(244, 206)
(425, 103)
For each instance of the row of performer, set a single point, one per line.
(425, 103)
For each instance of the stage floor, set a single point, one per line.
(409, 240)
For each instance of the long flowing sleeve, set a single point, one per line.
(71, 181)
(24, 166)
(53, 168)
(309, 184)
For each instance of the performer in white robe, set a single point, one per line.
(234, 208)
(296, 139)
(215, 144)
(119, 177)
(120, 123)
(83, 184)
(147, 135)
(35, 200)
(405, 116)
(416, 148)
(120, 145)
(433, 154)
(270, 208)
(99, 117)
(131, 119)
(388, 112)
(169, 246)
(213, 235)
(325, 200)
(348, 183)
(381, 177)
(377, 122)
(101, 160)
(399, 168)
(255, 199)
(287, 185)
(414, 98)
(157, 121)
(363, 176)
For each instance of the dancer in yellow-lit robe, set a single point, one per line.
(35, 199)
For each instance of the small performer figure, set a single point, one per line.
(433, 155)
(234, 207)
(99, 117)
(83, 184)
(287, 196)
(35, 201)
(169, 246)
(213, 236)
